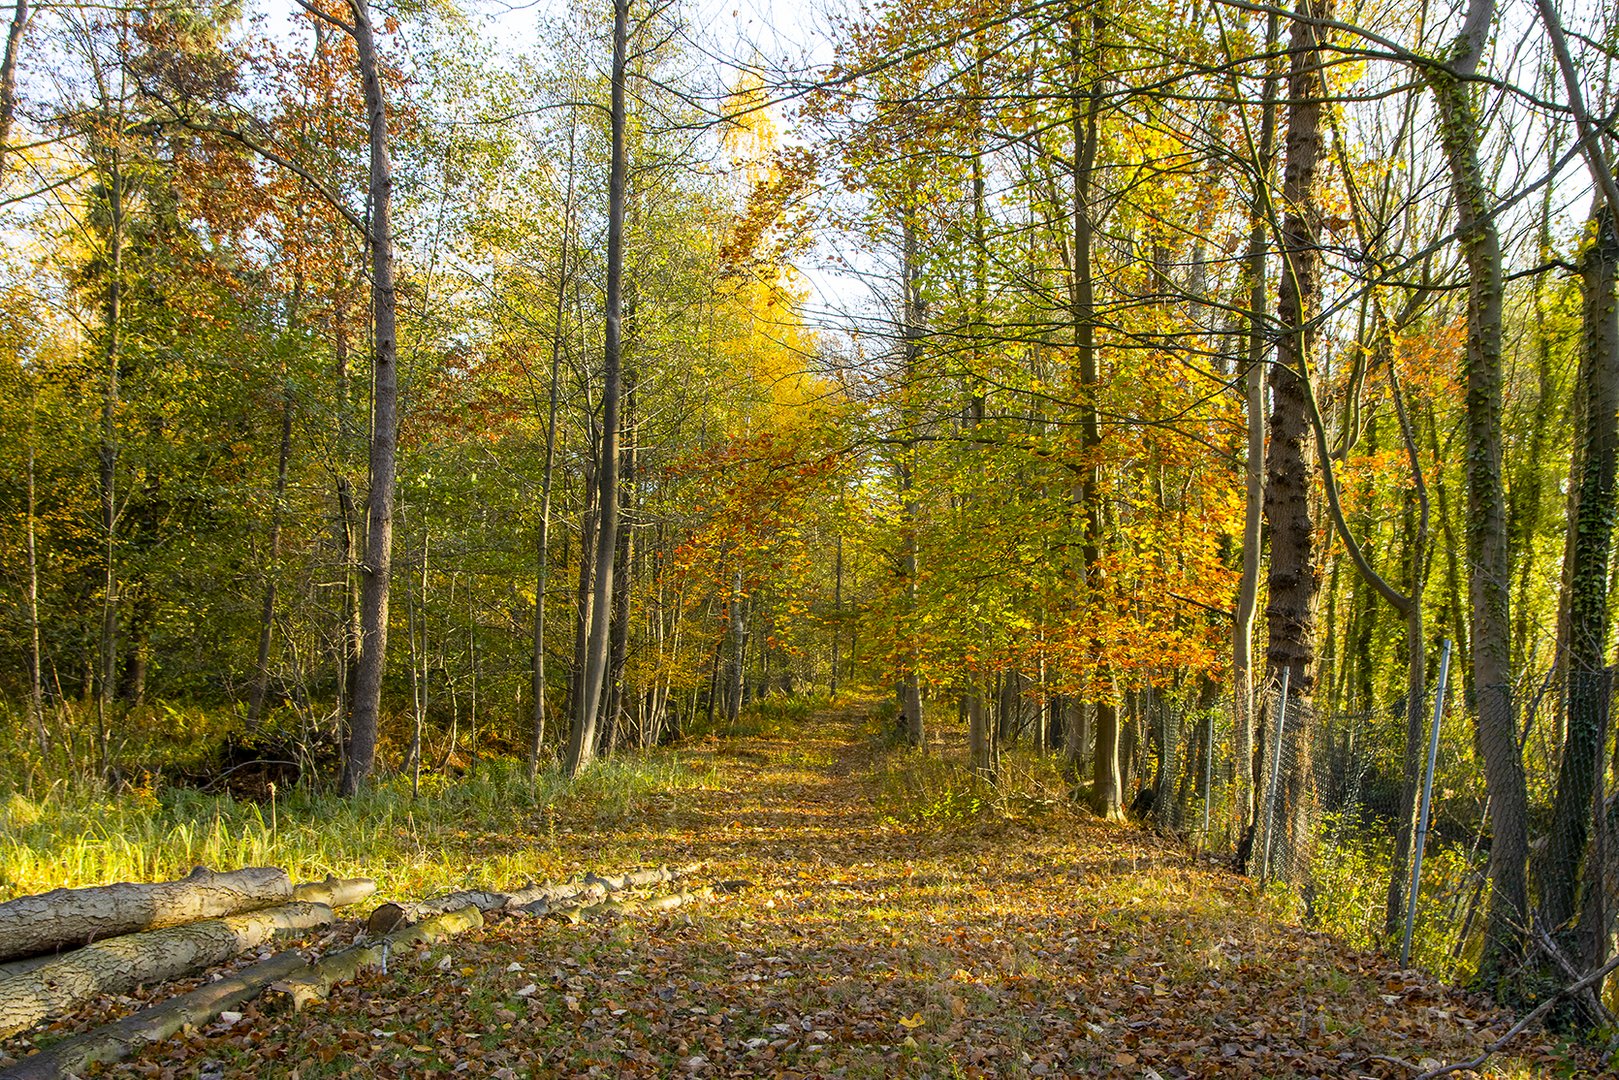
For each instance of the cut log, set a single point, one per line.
(67, 918)
(595, 888)
(335, 892)
(123, 1038)
(315, 982)
(17, 967)
(577, 913)
(530, 899)
(120, 964)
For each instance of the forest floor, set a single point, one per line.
(1026, 942)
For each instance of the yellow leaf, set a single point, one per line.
(911, 1021)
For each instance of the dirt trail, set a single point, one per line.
(1053, 945)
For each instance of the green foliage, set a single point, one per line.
(773, 716)
(918, 786)
(1350, 874)
(489, 827)
(914, 787)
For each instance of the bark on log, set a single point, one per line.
(120, 964)
(314, 982)
(577, 913)
(123, 1038)
(67, 918)
(17, 967)
(530, 899)
(335, 892)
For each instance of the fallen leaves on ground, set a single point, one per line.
(1054, 946)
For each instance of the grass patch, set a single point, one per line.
(913, 786)
(775, 716)
(1350, 873)
(487, 828)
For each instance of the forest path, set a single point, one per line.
(1044, 944)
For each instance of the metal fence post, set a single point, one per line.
(1208, 775)
(1427, 798)
(1275, 780)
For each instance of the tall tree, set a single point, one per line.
(1488, 556)
(360, 757)
(582, 737)
(1292, 579)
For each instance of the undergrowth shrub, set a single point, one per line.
(917, 786)
(1349, 895)
(488, 827)
(774, 716)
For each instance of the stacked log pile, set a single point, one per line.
(62, 949)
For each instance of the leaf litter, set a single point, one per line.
(1048, 945)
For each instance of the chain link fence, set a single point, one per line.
(1327, 811)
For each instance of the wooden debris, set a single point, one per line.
(335, 892)
(123, 1038)
(578, 912)
(530, 899)
(67, 918)
(119, 964)
(315, 982)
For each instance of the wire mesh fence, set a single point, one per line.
(1325, 807)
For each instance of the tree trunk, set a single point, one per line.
(118, 965)
(112, 360)
(1107, 790)
(1591, 517)
(1489, 559)
(416, 613)
(20, 14)
(585, 587)
(68, 918)
(582, 737)
(316, 980)
(1292, 578)
(837, 619)
(530, 899)
(334, 892)
(1253, 539)
(124, 1038)
(735, 676)
(543, 552)
(623, 581)
(913, 312)
(980, 737)
(348, 660)
(36, 688)
(362, 748)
